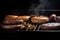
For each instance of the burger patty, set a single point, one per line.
(50, 26)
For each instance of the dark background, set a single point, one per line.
(20, 7)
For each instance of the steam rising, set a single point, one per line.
(40, 7)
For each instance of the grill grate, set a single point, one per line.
(37, 28)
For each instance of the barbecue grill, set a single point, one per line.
(21, 10)
(36, 29)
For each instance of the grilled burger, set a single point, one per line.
(50, 26)
(10, 26)
(10, 19)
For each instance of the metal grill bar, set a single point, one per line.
(26, 29)
(43, 10)
(35, 27)
(38, 27)
(49, 30)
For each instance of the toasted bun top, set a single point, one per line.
(23, 17)
(11, 16)
(40, 18)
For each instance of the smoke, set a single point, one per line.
(40, 7)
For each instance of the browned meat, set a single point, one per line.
(50, 26)
(39, 19)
